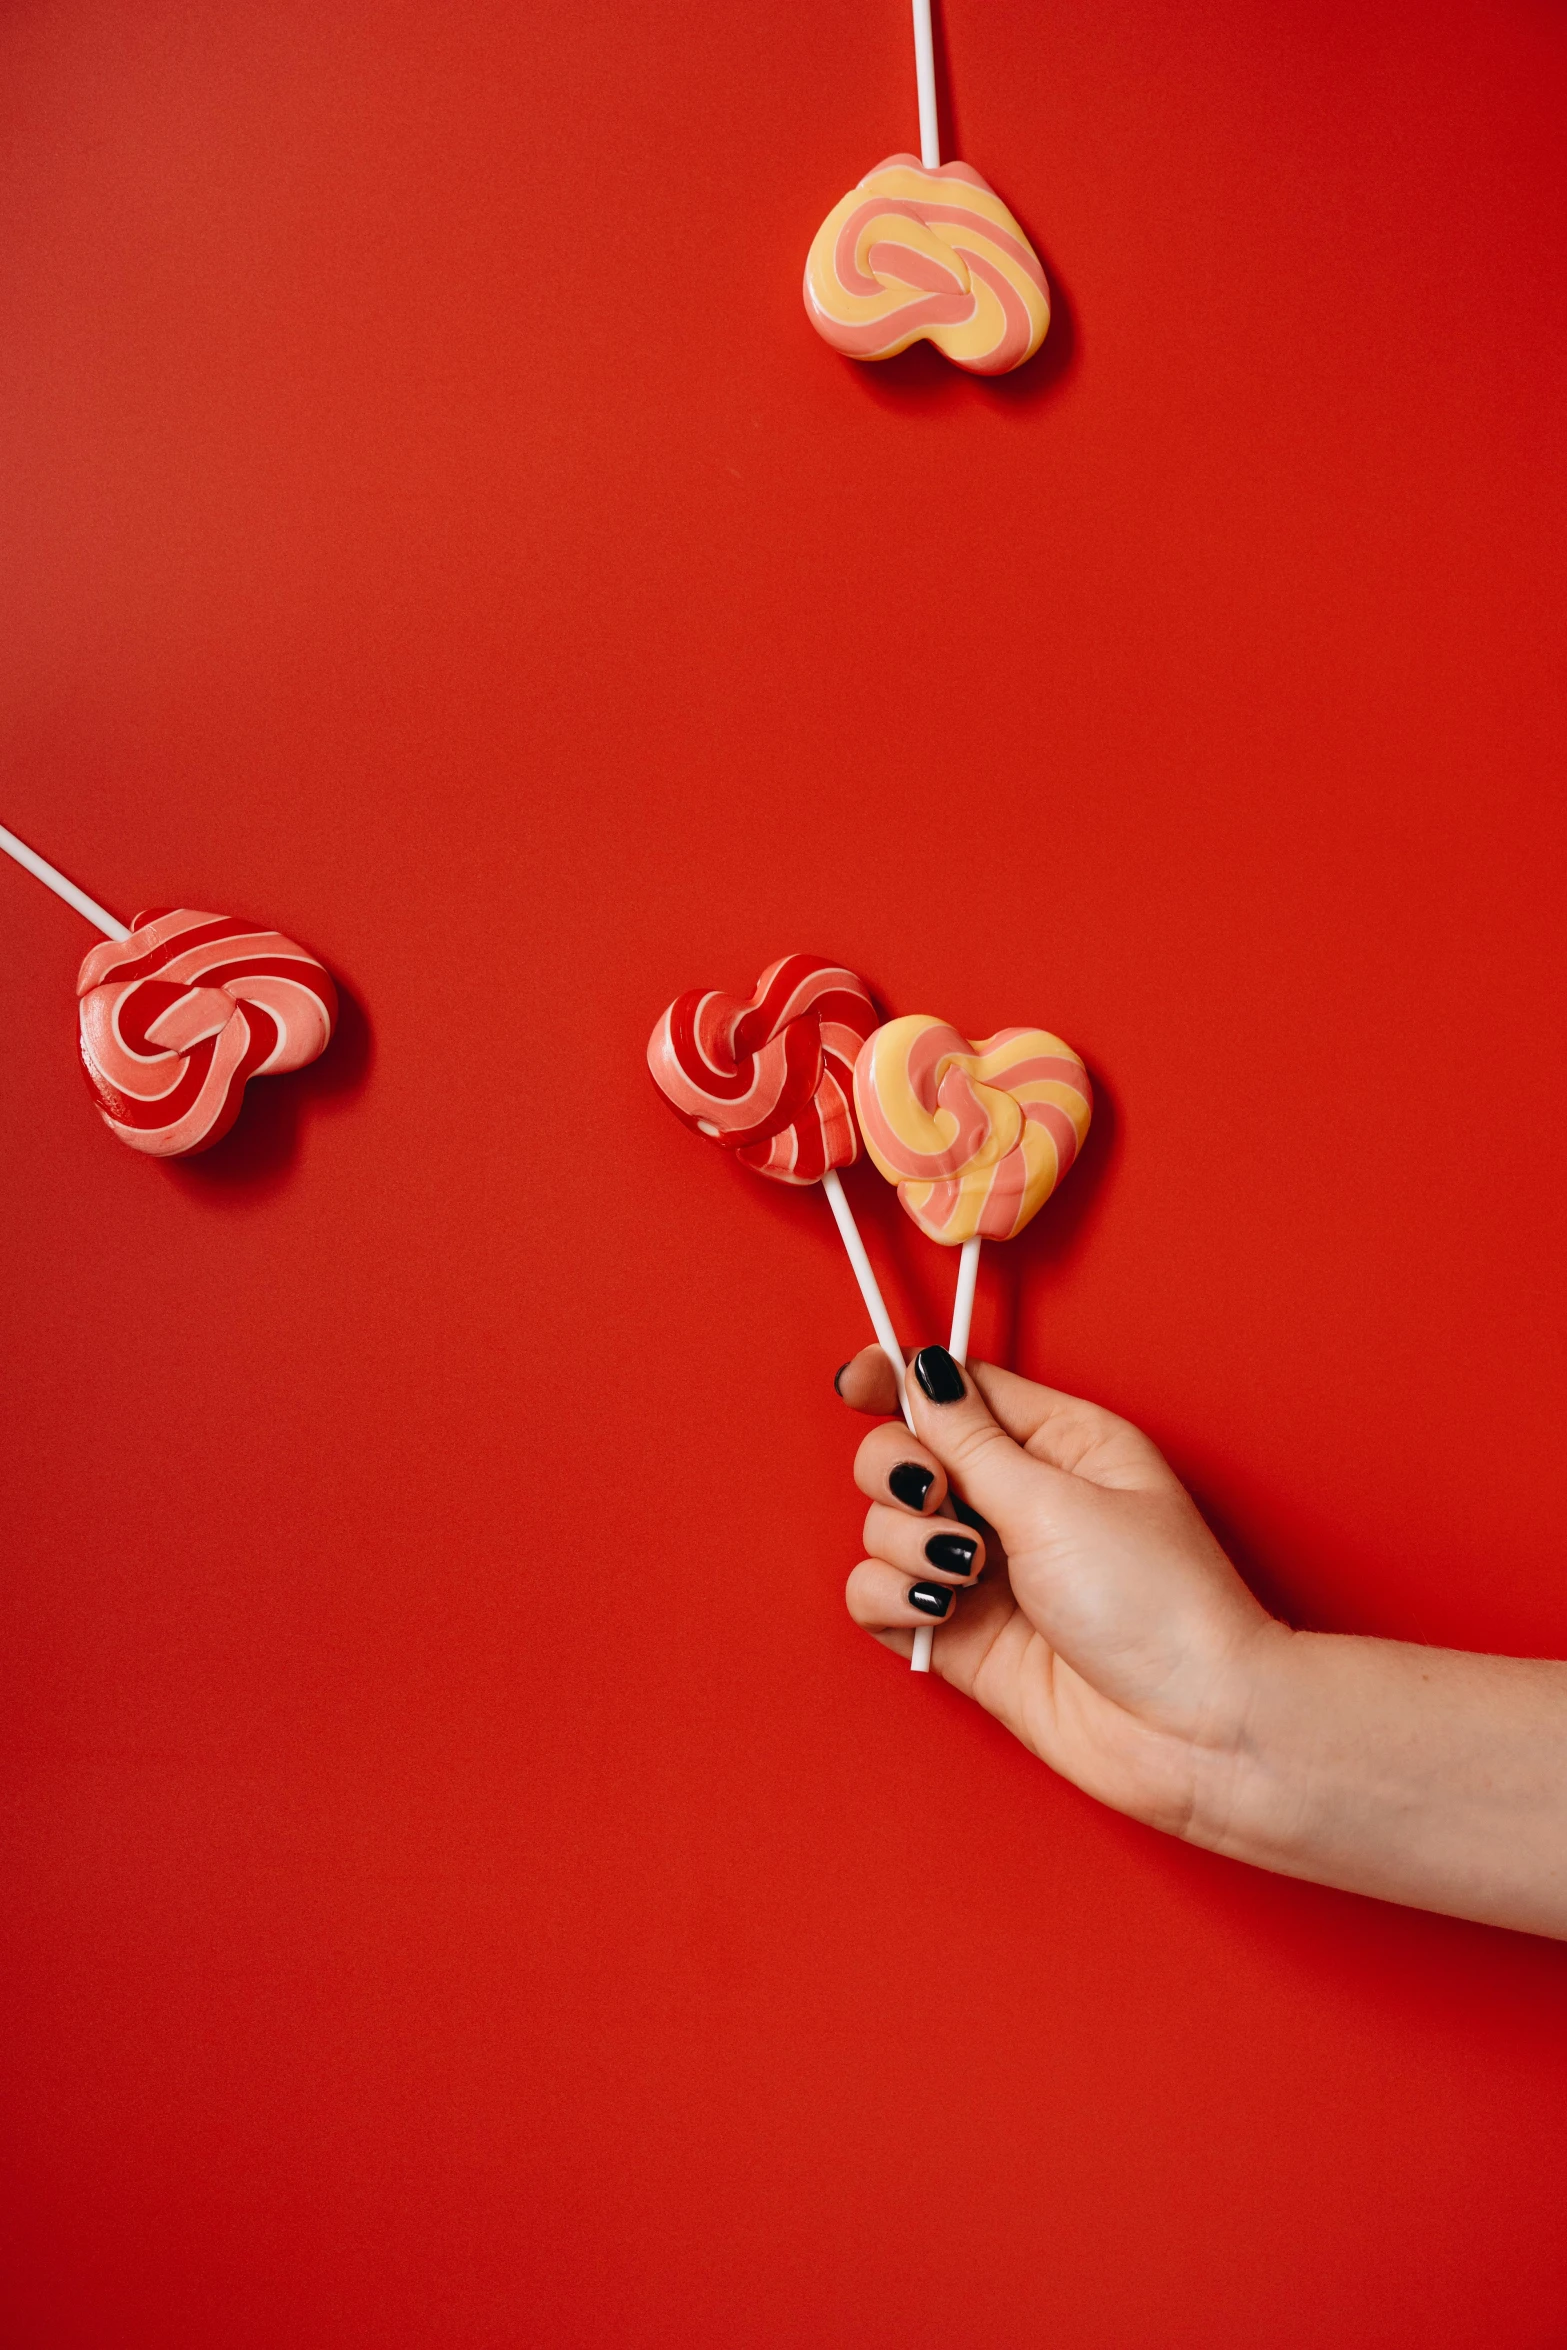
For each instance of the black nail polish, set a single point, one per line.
(910, 1484)
(958, 1508)
(953, 1553)
(939, 1375)
(929, 1598)
(837, 1377)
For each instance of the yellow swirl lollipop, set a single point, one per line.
(926, 249)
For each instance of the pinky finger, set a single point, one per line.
(881, 1600)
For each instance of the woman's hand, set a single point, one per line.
(1097, 1618)
(1100, 1621)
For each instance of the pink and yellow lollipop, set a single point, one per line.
(923, 249)
(975, 1137)
(912, 253)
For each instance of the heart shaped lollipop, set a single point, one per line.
(975, 1136)
(177, 1018)
(178, 1012)
(923, 248)
(771, 1078)
(913, 253)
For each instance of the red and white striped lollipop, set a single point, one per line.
(770, 1077)
(178, 1016)
(180, 1010)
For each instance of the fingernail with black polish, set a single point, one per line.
(953, 1553)
(929, 1598)
(939, 1375)
(958, 1508)
(837, 1377)
(910, 1484)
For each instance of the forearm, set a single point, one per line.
(1419, 1775)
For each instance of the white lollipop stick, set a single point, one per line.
(875, 1304)
(61, 887)
(957, 1347)
(963, 1301)
(925, 76)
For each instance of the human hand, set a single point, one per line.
(1098, 1618)
(1101, 1622)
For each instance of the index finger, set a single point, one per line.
(866, 1383)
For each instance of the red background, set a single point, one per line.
(467, 1883)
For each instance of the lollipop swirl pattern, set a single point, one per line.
(178, 1017)
(914, 252)
(975, 1136)
(771, 1076)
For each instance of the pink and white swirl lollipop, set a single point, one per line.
(179, 1015)
(770, 1077)
(180, 1010)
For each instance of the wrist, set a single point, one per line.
(1247, 1794)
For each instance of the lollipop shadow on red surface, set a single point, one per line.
(256, 1157)
(1025, 1265)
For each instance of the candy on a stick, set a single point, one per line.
(912, 253)
(975, 1136)
(180, 1010)
(923, 248)
(180, 1015)
(770, 1077)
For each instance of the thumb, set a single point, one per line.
(997, 1477)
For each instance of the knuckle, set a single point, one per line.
(974, 1444)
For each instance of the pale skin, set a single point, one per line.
(1103, 1625)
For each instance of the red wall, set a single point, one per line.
(466, 1882)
